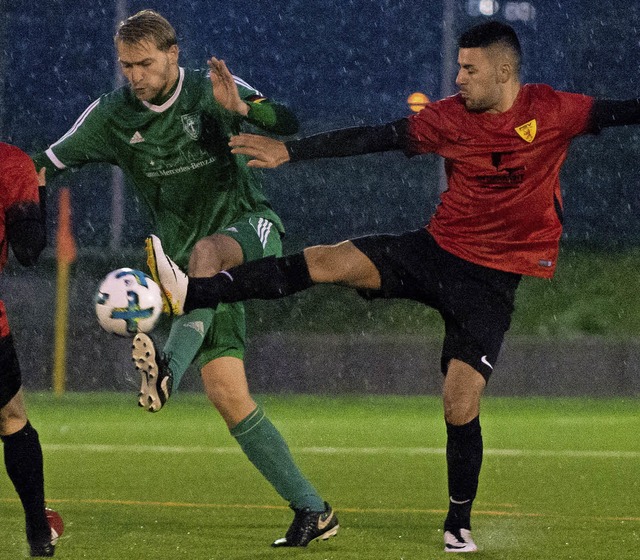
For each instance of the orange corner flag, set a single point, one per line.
(65, 242)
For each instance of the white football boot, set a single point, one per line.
(459, 541)
(168, 276)
(156, 379)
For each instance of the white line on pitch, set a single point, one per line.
(570, 453)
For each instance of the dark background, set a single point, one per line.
(336, 64)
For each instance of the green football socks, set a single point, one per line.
(257, 436)
(267, 450)
(185, 339)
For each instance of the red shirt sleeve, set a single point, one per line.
(18, 177)
(428, 129)
(18, 184)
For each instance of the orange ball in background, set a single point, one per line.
(417, 101)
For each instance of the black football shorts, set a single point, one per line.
(475, 302)
(10, 377)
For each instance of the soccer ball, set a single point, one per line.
(128, 302)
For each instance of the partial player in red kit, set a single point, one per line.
(500, 217)
(22, 226)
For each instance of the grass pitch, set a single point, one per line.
(560, 479)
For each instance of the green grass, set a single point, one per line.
(560, 479)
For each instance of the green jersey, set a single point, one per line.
(176, 155)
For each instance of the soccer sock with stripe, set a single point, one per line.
(267, 278)
(267, 450)
(464, 459)
(24, 464)
(185, 339)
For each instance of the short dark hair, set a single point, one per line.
(491, 33)
(147, 25)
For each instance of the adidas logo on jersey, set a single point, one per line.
(136, 138)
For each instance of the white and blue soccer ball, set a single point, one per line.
(128, 302)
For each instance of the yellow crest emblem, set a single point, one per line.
(527, 131)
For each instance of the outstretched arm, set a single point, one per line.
(269, 153)
(605, 113)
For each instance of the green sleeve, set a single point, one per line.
(41, 160)
(268, 115)
(88, 141)
(272, 117)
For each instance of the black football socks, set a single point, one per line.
(268, 278)
(464, 459)
(24, 464)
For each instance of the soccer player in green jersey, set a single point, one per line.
(168, 130)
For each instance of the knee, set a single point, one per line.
(204, 259)
(327, 263)
(317, 257)
(463, 388)
(212, 254)
(219, 395)
(233, 406)
(12, 420)
(460, 407)
(459, 413)
(226, 394)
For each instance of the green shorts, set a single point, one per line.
(258, 238)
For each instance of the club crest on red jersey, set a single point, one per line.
(527, 131)
(191, 125)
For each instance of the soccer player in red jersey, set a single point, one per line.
(22, 226)
(504, 143)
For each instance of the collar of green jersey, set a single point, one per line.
(163, 102)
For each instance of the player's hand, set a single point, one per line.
(42, 180)
(225, 90)
(265, 152)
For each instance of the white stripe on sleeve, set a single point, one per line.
(54, 159)
(78, 123)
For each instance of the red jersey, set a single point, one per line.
(503, 207)
(18, 184)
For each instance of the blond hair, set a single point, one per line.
(147, 25)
